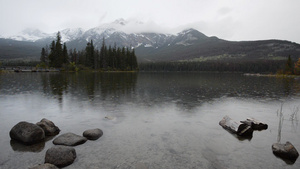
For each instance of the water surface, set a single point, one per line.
(156, 120)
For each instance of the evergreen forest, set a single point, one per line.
(113, 58)
(104, 59)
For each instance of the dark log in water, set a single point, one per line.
(240, 129)
(255, 124)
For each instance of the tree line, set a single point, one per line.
(106, 58)
(290, 67)
(267, 66)
(262, 66)
(124, 59)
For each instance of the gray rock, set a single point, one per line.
(285, 151)
(27, 133)
(44, 166)
(69, 139)
(93, 134)
(60, 156)
(49, 127)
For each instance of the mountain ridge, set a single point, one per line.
(187, 45)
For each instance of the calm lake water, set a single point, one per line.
(155, 120)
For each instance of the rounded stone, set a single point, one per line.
(69, 139)
(60, 156)
(27, 133)
(49, 127)
(93, 134)
(285, 151)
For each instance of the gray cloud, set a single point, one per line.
(228, 19)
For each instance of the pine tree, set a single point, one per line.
(52, 55)
(128, 60)
(114, 57)
(97, 56)
(118, 59)
(288, 66)
(92, 55)
(59, 51)
(58, 54)
(43, 56)
(103, 55)
(109, 57)
(134, 60)
(65, 57)
(81, 58)
(123, 59)
(297, 67)
(89, 53)
(47, 55)
(73, 55)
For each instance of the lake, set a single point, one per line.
(151, 120)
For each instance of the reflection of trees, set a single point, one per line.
(296, 85)
(290, 86)
(87, 85)
(117, 83)
(185, 89)
(287, 84)
(105, 84)
(188, 89)
(57, 83)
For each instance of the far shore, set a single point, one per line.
(272, 75)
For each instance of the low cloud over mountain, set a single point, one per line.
(187, 45)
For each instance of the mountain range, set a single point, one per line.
(187, 45)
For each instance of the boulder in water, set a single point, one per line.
(27, 133)
(285, 151)
(93, 134)
(49, 127)
(60, 156)
(69, 139)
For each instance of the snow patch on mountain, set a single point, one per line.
(115, 33)
(71, 34)
(29, 35)
(148, 46)
(186, 31)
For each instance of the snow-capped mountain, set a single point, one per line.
(189, 44)
(33, 35)
(70, 34)
(188, 36)
(30, 35)
(113, 33)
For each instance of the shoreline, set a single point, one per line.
(272, 75)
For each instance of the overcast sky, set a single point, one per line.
(227, 19)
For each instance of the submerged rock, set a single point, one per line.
(27, 133)
(109, 117)
(69, 139)
(93, 134)
(44, 166)
(49, 127)
(285, 151)
(60, 156)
